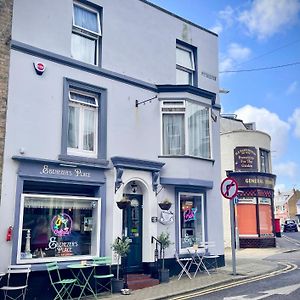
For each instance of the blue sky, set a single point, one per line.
(258, 34)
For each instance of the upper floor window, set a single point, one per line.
(185, 65)
(185, 129)
(86, 34)
(264, 161)
(82, 123)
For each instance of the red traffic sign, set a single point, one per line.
(229, 188)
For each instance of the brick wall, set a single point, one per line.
(5, 36)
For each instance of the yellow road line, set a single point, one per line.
(289, 267)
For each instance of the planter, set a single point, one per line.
(165, 206)
(123, 204)
(164, 275)
(117, 285)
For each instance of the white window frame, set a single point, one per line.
(95, 244)
(82, 107)
(184, 250)
(190, 71)
(86, 32)
(181, 106)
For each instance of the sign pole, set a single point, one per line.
(232, 237)
(229, 189)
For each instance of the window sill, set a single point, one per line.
(187, 156)
(80, 159)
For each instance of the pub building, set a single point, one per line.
(89, 126)
(246, 158)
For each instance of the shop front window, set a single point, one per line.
(58, 227)
(191, 219)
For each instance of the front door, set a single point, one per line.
(133, 229)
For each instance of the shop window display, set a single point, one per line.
(191, 219)
(58, 227)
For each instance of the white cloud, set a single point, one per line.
(288, 169)
(281, 187)
(292, 88)
(267, 17)
(295, 120)
(227, 15)
(235, 54)
(268, 122)
(225, 20)
(218, 28)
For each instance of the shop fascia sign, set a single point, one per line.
(68, 172)
(254, 180)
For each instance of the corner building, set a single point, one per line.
(82, 134)
(246, 157)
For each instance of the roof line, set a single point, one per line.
(176, 16)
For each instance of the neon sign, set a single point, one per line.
(61, 224)
(190, 214)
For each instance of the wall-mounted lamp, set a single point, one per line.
(133, 187)
(223, 91)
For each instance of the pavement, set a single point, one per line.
(249, 263)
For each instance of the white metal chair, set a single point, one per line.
(197, 260)
(210, 257)
(16, 274)
(184, 263)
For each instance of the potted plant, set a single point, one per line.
(165, 242)
(165, 205)
(123, 203)
(121, 248)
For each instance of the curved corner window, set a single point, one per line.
(58, 228)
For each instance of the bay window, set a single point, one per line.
(58, 227)
(86, 34)
(191, 206)
(185, 129)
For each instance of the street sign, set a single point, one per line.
(229, 188)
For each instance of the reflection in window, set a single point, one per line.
(185, 66)
(185, 129)
(58, 226)
(85, 34)
(191, 219)
(264, 161)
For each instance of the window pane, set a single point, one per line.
(89, 130)
(184, 58)
(86, 19)
(58, 227)
(73, 127)
(183, 77)
(198, 130)
(86, 99)
(173, 134)
(83, 48)
(191, 222)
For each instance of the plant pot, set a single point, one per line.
(165, 206)
(123, 204)
(164, 275)
(117, 285)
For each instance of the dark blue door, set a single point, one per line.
(133, 229)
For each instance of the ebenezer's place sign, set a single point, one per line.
(245, 159)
